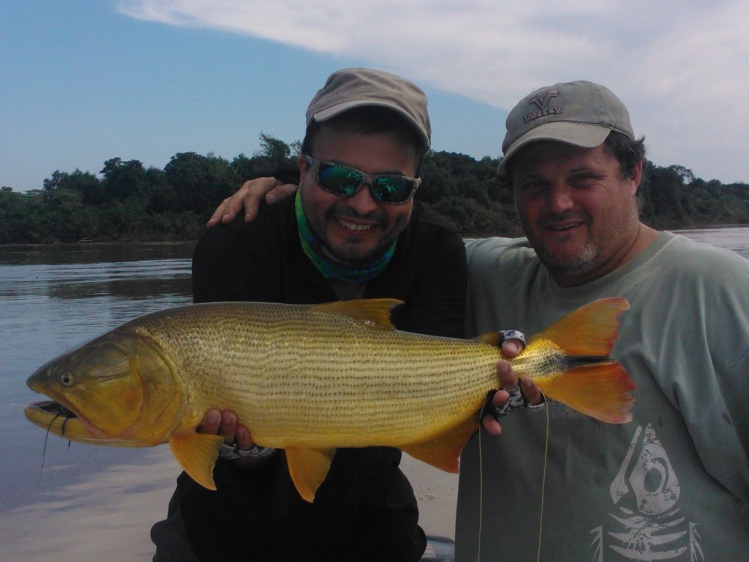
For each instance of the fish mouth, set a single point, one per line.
(58, 419)
(54, 408)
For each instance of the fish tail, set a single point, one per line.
(590, 330)
(601, 390)
(589, 381)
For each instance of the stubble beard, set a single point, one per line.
(354, 249)
(583, 263)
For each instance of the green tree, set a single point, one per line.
(199, 182)
(273, 153)
(68, 219)
(123, 180)
(661, 194)
(273, 149)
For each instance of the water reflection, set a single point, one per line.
(51, 306)
(66, 254)
(735, 238)
(71, 501)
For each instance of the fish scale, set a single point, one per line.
(343, 383)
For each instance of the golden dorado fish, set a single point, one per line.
(311, 378)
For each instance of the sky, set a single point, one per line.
(84, 81)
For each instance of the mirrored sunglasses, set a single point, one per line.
(338, 179)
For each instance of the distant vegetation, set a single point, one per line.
(132, 203)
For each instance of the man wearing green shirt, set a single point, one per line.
(674, 483)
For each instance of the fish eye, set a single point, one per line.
(66, 379)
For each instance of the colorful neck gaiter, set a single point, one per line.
(330, 266)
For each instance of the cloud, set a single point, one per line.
(680, 67)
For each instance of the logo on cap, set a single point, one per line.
(541, 101)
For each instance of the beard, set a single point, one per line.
(581, 264)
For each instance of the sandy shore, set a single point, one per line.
(107, 515)
(437, 494)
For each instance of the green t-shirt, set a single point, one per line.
(671, 485)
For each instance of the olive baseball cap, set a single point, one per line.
(358, 87)
(580, 113)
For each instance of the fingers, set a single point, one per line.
(507, 378)
(512, 348)
(211, 422)
(250, 196)
(490, 421)
(531, 392)
(491, 425)
(227, 425)
(268, 189)
(280, 191)
(244, 440)
(253, 193)
(514, 393)
(231, 206)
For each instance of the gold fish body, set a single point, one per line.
(305, 378)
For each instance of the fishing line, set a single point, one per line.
(543, 483)
(481, 492)
(44, 448)
(543, 480)
(81, 465)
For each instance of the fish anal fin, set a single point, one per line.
(600, 390)
(371, 311)
(589, 330)
(308, 468)
(196, 454)
(444, 451)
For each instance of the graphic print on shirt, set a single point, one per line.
(646, 523)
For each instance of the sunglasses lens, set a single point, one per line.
(392, 189)
(339, 180)
(345, 181)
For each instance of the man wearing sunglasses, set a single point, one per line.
(352, 231)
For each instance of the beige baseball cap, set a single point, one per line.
(357, 87)
(580, 113)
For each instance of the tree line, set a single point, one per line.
(130, 202)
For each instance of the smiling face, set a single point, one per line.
(577, 210)
(357, 228)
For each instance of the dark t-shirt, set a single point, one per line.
(365, 509)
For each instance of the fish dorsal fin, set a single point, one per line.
(371, 311)
(589, 330)
(196, 454)
(308, 468)
(444, 451)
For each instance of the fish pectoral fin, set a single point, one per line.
(196, 454)
(600, 390)
(308, 468)
(444, 451)
(375, 312)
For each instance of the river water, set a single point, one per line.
(61, 501)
